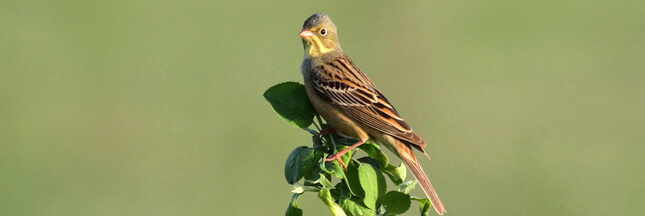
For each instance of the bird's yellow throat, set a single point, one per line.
(321, 49)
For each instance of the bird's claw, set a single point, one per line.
(336, 157)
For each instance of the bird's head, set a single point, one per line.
(319, 35)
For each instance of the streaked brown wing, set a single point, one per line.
(340, 82)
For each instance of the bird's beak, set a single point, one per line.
(306, 33)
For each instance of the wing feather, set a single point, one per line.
(340, 82)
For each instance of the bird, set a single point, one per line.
(352, 105)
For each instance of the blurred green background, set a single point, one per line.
(156, 107)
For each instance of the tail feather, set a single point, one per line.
(407, 155)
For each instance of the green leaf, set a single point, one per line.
(290, 171)
(333, 168)
(340, 192)
(343, 191)
(369, 182)
(292, 209)
(305, 162)
(298, 164)
(352, 180)
(396, 174)
(374, 152)
(355, 206)
(382, 185)
(335, 209)
(424, 205)
(324, 181)
(297, 188)
(407, 186)
(313, 174)
(289, 100)
(396, 202)
(312, 178)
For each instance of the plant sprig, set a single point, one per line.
(361, 190)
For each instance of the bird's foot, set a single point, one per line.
(342, 152)
(336, 157)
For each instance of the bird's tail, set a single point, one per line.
(407, 155)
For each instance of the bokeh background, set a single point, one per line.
(156, 107)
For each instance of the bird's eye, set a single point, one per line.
(323, 31)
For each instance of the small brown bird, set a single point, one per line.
(350, 102)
